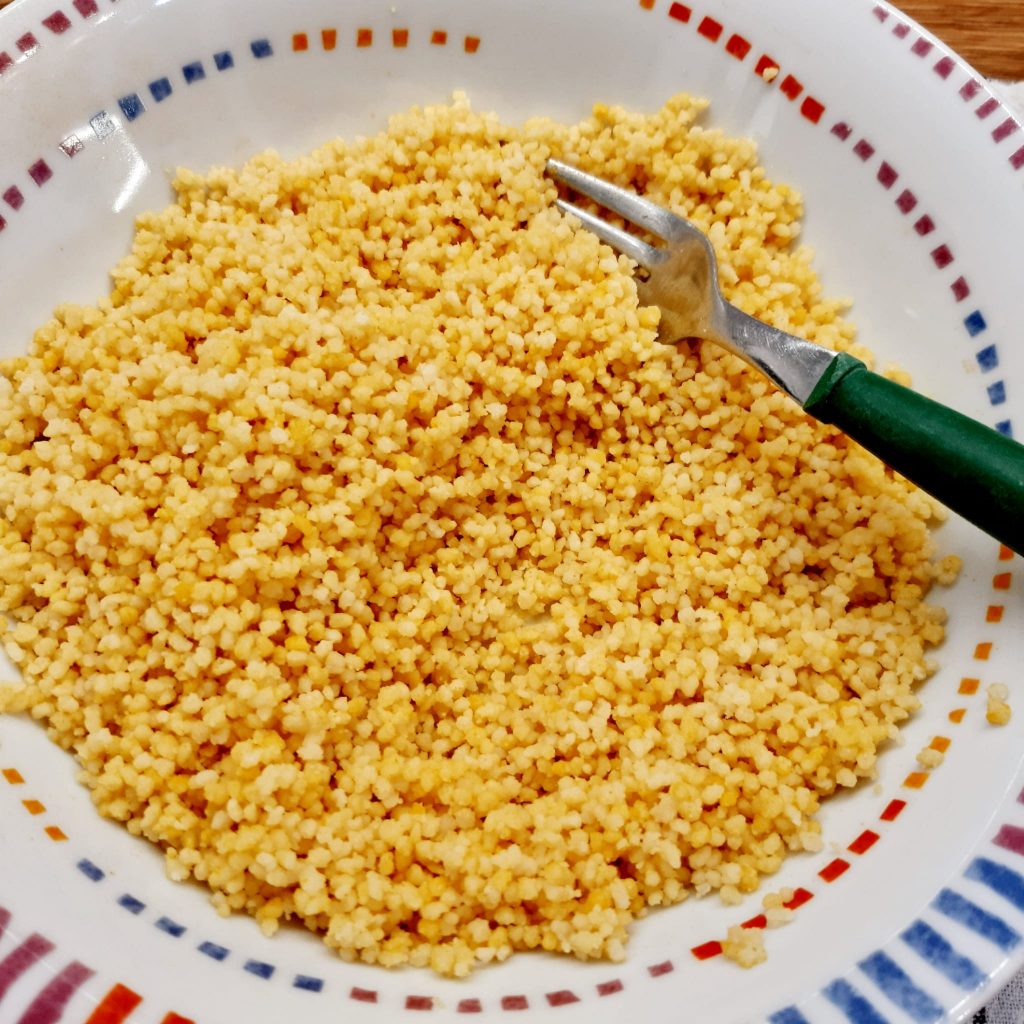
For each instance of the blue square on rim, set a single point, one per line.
(988, 358)
(213, 951)
(261, 48)
(997, 392)
(93, 873)
(131, 105)
(975, 323)
(308, 984)
(131, 904)
(259, 968)
(165, 924)
(790, 1015)
(160, 89)
(223, 60)
(1005, 428)
(194, 72)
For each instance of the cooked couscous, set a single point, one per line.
(375, 561)
(997, 707)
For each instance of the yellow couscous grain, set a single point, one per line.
(745, 946)
(997, 710)
(376, 562)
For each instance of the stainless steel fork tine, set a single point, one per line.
(642, 253)
(634, 208)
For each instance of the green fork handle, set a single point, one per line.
(974, 470)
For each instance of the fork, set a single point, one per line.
(974, 470)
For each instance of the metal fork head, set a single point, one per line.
(680, 277)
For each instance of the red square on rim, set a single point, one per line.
(766, 68)
(57, 22)
(887, 174)
(738, 47)
(563, 997)
(988, 108)
(115, 1006)
(906, 201)
(800, 897)
(969, 89)
(924, 225)
(863, 842)
(40, 172)
(893, 810)
(812, 109)
(961, 289)
(1005, 130)
(791, 87)
(710, 29)
(831, 871)
(707, 950)
(864, 149)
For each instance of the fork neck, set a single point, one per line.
(793, 364)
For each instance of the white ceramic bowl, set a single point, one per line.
(912, 173)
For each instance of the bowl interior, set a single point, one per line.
(912, 207)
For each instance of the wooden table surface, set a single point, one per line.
(989, 33)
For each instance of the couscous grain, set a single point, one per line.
(745, 946)
(997, 709)
(375, 561)
(929, 757)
